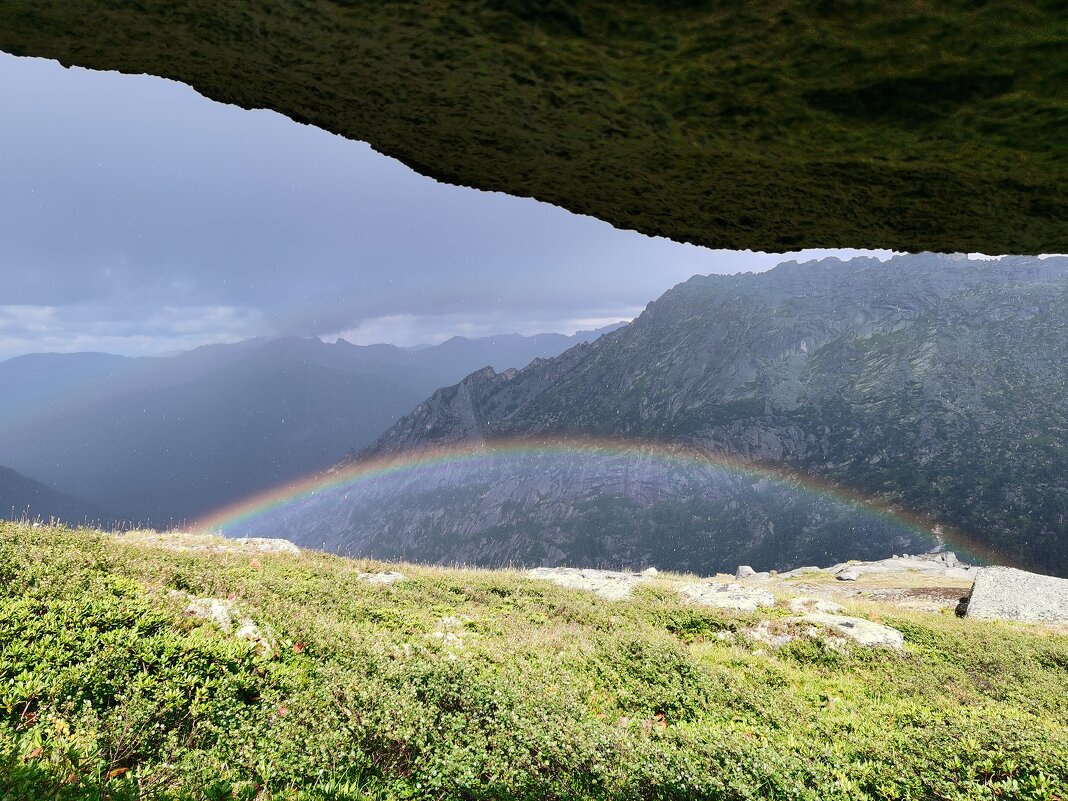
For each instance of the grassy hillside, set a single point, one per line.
(486, 684)
(772, 126)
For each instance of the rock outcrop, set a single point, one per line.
(943, 564)
(208, 543)
(861, 631)
(614, 585)
(382, 577)
(750, 126)
(1004, 593)
(727, 596)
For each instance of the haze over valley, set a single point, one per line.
(163, 440)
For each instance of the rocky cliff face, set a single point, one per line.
(929, 383)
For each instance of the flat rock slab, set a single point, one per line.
(611, 584)
(934, 565)
(383, 577)
(861, 631)
(208, 543)
(727, 596)
(1004, 593)
(805, 605)
(267, 545)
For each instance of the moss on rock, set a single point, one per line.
(774, 126)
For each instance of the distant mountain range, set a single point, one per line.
(161, 439)
(23, 498)
(928, 383)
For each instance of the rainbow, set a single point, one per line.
(372, 469)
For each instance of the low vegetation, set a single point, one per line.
(481, 684)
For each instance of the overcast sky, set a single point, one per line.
(138, 217)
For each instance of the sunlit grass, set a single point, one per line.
(487, 684)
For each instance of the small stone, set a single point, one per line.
(849, 574)
(650, 571)
(744, 571)
(805, 605)
(222, 612)
(252, 633)
(218, 610)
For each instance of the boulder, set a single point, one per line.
(1004, 593)
(382, 577)
(861, 631)
(727, 596)
(743, 572)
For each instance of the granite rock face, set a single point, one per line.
(1004, 593)
(834, 125)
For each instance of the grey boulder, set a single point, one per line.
(1005, 593)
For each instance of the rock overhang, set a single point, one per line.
(766, 126)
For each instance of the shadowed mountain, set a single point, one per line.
(23, 498)
(912, 126)
(162, 439)
(927, 383)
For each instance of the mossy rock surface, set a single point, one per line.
(774, 126)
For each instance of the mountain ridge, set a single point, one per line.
(927, 383)
(166, 439)
(22, 498)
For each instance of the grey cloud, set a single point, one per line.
(127, 196)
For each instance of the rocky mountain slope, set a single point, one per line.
(162, 439)
(929, 383)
